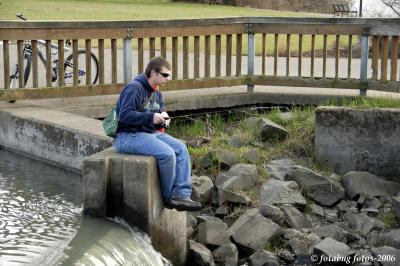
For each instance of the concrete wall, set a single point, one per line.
(56, 137)
(128, 186)
(351, 139)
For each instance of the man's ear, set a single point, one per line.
(153, 73)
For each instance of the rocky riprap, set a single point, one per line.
(300, 218)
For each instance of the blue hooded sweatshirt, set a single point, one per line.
(132, 96)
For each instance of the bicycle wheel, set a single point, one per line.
(69, 68)
(14, 78)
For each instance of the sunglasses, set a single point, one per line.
(165, 75)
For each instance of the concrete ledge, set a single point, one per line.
(54, 136)
(351, 139)
(128, 186)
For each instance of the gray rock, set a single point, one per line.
(190, 220)
(396, 206)
(222, 211)
(312, 239)
(202, 188)
(277, 192)
(299, 248)
(263, 258)
(334, 177)
(316, 209)
(205, 218)
(362, 222)
(236, 142)
(388, 256)
(213, 233)
(252, 121)
(244, 218)
(331, 215)
(372, 238)
(290, 233)
(285, 255)
(271, 130)
(259, 144)
(226, 255)
(251, 156)
(218, 157)
(240, 176)
(199, 255)
(331, 231)
(252, 230)
(372, 202)
(294, 218)
(271, 212)
(364, 183)
(199, 141)
(232, 197)
(278, 169)
(321, 189)
(330, 248)
(390, 238)
(352, 235)
(371, 212)
(313, 219)
(345, 205)
(189, 231)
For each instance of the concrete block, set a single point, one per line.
(353, 139)
(95, 186)
(128, 186)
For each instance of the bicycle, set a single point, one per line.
(68, 63)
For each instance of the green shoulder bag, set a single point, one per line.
(110, 122)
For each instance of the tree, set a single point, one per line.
(393, 4)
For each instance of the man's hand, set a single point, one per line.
(165, 114)
(158, 119)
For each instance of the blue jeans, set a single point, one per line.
(172, 159)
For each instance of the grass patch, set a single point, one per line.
(390, 220)
(299, 145)
(275, 243)
(366, 102)
(126, 10)
(99, 10)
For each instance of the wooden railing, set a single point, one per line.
(210, 53)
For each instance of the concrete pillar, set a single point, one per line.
(127, 52)
(250, 57)
(128, 186)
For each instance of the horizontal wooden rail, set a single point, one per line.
(109, 89)
(204, 53)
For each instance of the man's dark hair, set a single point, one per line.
(157, 63)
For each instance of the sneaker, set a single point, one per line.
(184, 204)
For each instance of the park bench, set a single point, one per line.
(343, 9)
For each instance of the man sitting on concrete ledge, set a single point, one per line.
(142, 118)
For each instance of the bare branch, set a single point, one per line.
(393, 4)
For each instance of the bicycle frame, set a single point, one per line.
(68, 63)
(28, 49)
